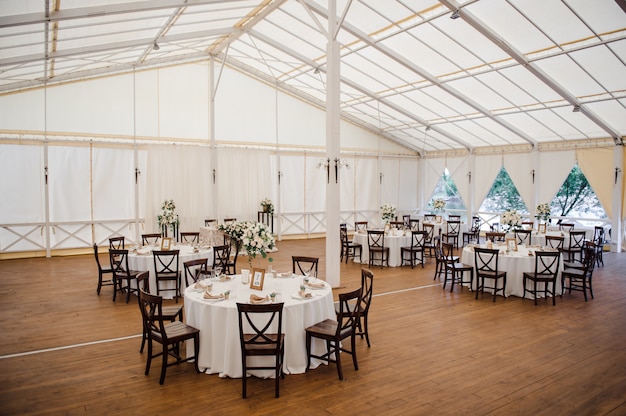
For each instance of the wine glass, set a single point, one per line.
(217, 272)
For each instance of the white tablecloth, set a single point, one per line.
(220, 351)
(515, 264)
(211, 236)
(394, 242)
(142, 262)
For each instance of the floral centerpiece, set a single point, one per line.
(439, 204)
(254, 237)
(543, 212)
(388, 213)
(511, 219)
(267, 206)
(168, 217)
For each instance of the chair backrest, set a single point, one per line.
(528, 225)
(406, 219)
(117, 243)
(453, 227)
(598, 235)
(430, 217)
(418, 239)
(210, 221)
(397, 224)
(119, 262)
(589, 260)
(566, 226)
(447, 252)
(414, 224)
(367, 283)
(304, 265)
(555, 241)
(486, 260)
(343, 235)
(475, 224)
(523, 236)
(148, 239)
(547, 263)
(257, 324)
(495, 236)
(375, 238)
(454, 217)
(190, 237)
(430, 231)
(165, 262)
(494, 227)
(151, 307)
(143, 281)
(221, 256)
(230, 219)
(437, 246)
(194, 268)
(360, 225)
(95, 252)
(576, 239)
(348, 314)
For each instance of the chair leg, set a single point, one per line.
(367, 333)
(99, 282)
(354, 360)
(143, 340)
(149, 360)
(127, 290)
(338, 360)
(164, 364)
(308, 351)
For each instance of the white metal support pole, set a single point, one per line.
(617, 225)
(333, 147)
(213, 155)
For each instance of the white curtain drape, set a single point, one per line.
(458, 168)
(597, 165)
(554, 169)
(487, 168)
(519, 167)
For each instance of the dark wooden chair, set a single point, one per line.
(453, 230)
(576, 244)
(230, 219)
(523, 237)
(333, 332)
(150, 238)
(195, 270)
(486, 264)
(221, 257)
(121, 273)
(430, 218)
(528, 225)
(454, 270)
(566, 227)
(117, 243)
(429, 241)
(305, 266)
(546, 272)
(190, 237)
(555, 241)
(255, 340)
(397, 224)
(169, 335)
(473, 234)
(102, 271)
(360, 225)
(166, 270)
(414, 224)
(494, 236)
(209, 222)
(454, 217)
(235, 246)
(377, 249)
(406, 219)
(580, 278)
(349, 248)
(411, 253)
(599, 240)
(367, 284)
(170, 313)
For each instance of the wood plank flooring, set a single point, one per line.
(66, 351)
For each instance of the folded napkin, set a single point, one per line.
(201, 285)
(304, 294)
(144, 251)
(285, 274)
(208, 295)
(224, 278)
(258, 299)
(319, 285)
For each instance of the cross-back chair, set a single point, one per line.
(575, 247)
(486, 264)
(360, 225)
(523, 236)
(546, 272)
(580, 279)
(473, 234)
(367, 291)
(453, 229)
(117, 243)
(221, 257)
(348, 248)
(190, 237)
(150, 238)
(195, 270)
(454, 270)
(377, 248)
(102, 272)
(415, 252)
(555, 241)
(166, 270)
(305, 266)
(122, 273)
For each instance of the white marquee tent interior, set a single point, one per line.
(329, 108)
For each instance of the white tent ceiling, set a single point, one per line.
(504, 73)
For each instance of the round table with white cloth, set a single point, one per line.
(394, 239)
(217, 320)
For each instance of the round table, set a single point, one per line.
(142, 259)
(394, 239)
(220, 351)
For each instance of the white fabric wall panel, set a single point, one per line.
(300, 124)
(69, 183)
(347, 185)
(21, 184)
(487, 168)
(390, 187)
(183, 101)
(315, 184)
(554, 169)
(100, 106)
(408, 185)
(147, 104)
(113, 183)
(433, 169)
(245, 110)
(518, 166)
(24, 111)
(458, 168)
(366, 184)
(292, 183)
(597, 165)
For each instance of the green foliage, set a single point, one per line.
(503, 196)
(446, 189)
(575, 196)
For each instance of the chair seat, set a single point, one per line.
(262, 349)
(176, 331)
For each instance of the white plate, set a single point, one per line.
(297, 296)
(286, 274)
(212, 300)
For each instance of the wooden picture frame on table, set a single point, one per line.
(166, 243)
(439, 219)
(258, 277)
(511, 244)
(542, 228)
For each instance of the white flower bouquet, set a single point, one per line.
(543, 212)
(511, 219)
(267, 206)
(254, 236)
(168, 216)
(439, 204)
(388, 212)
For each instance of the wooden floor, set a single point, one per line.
(66, 351)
